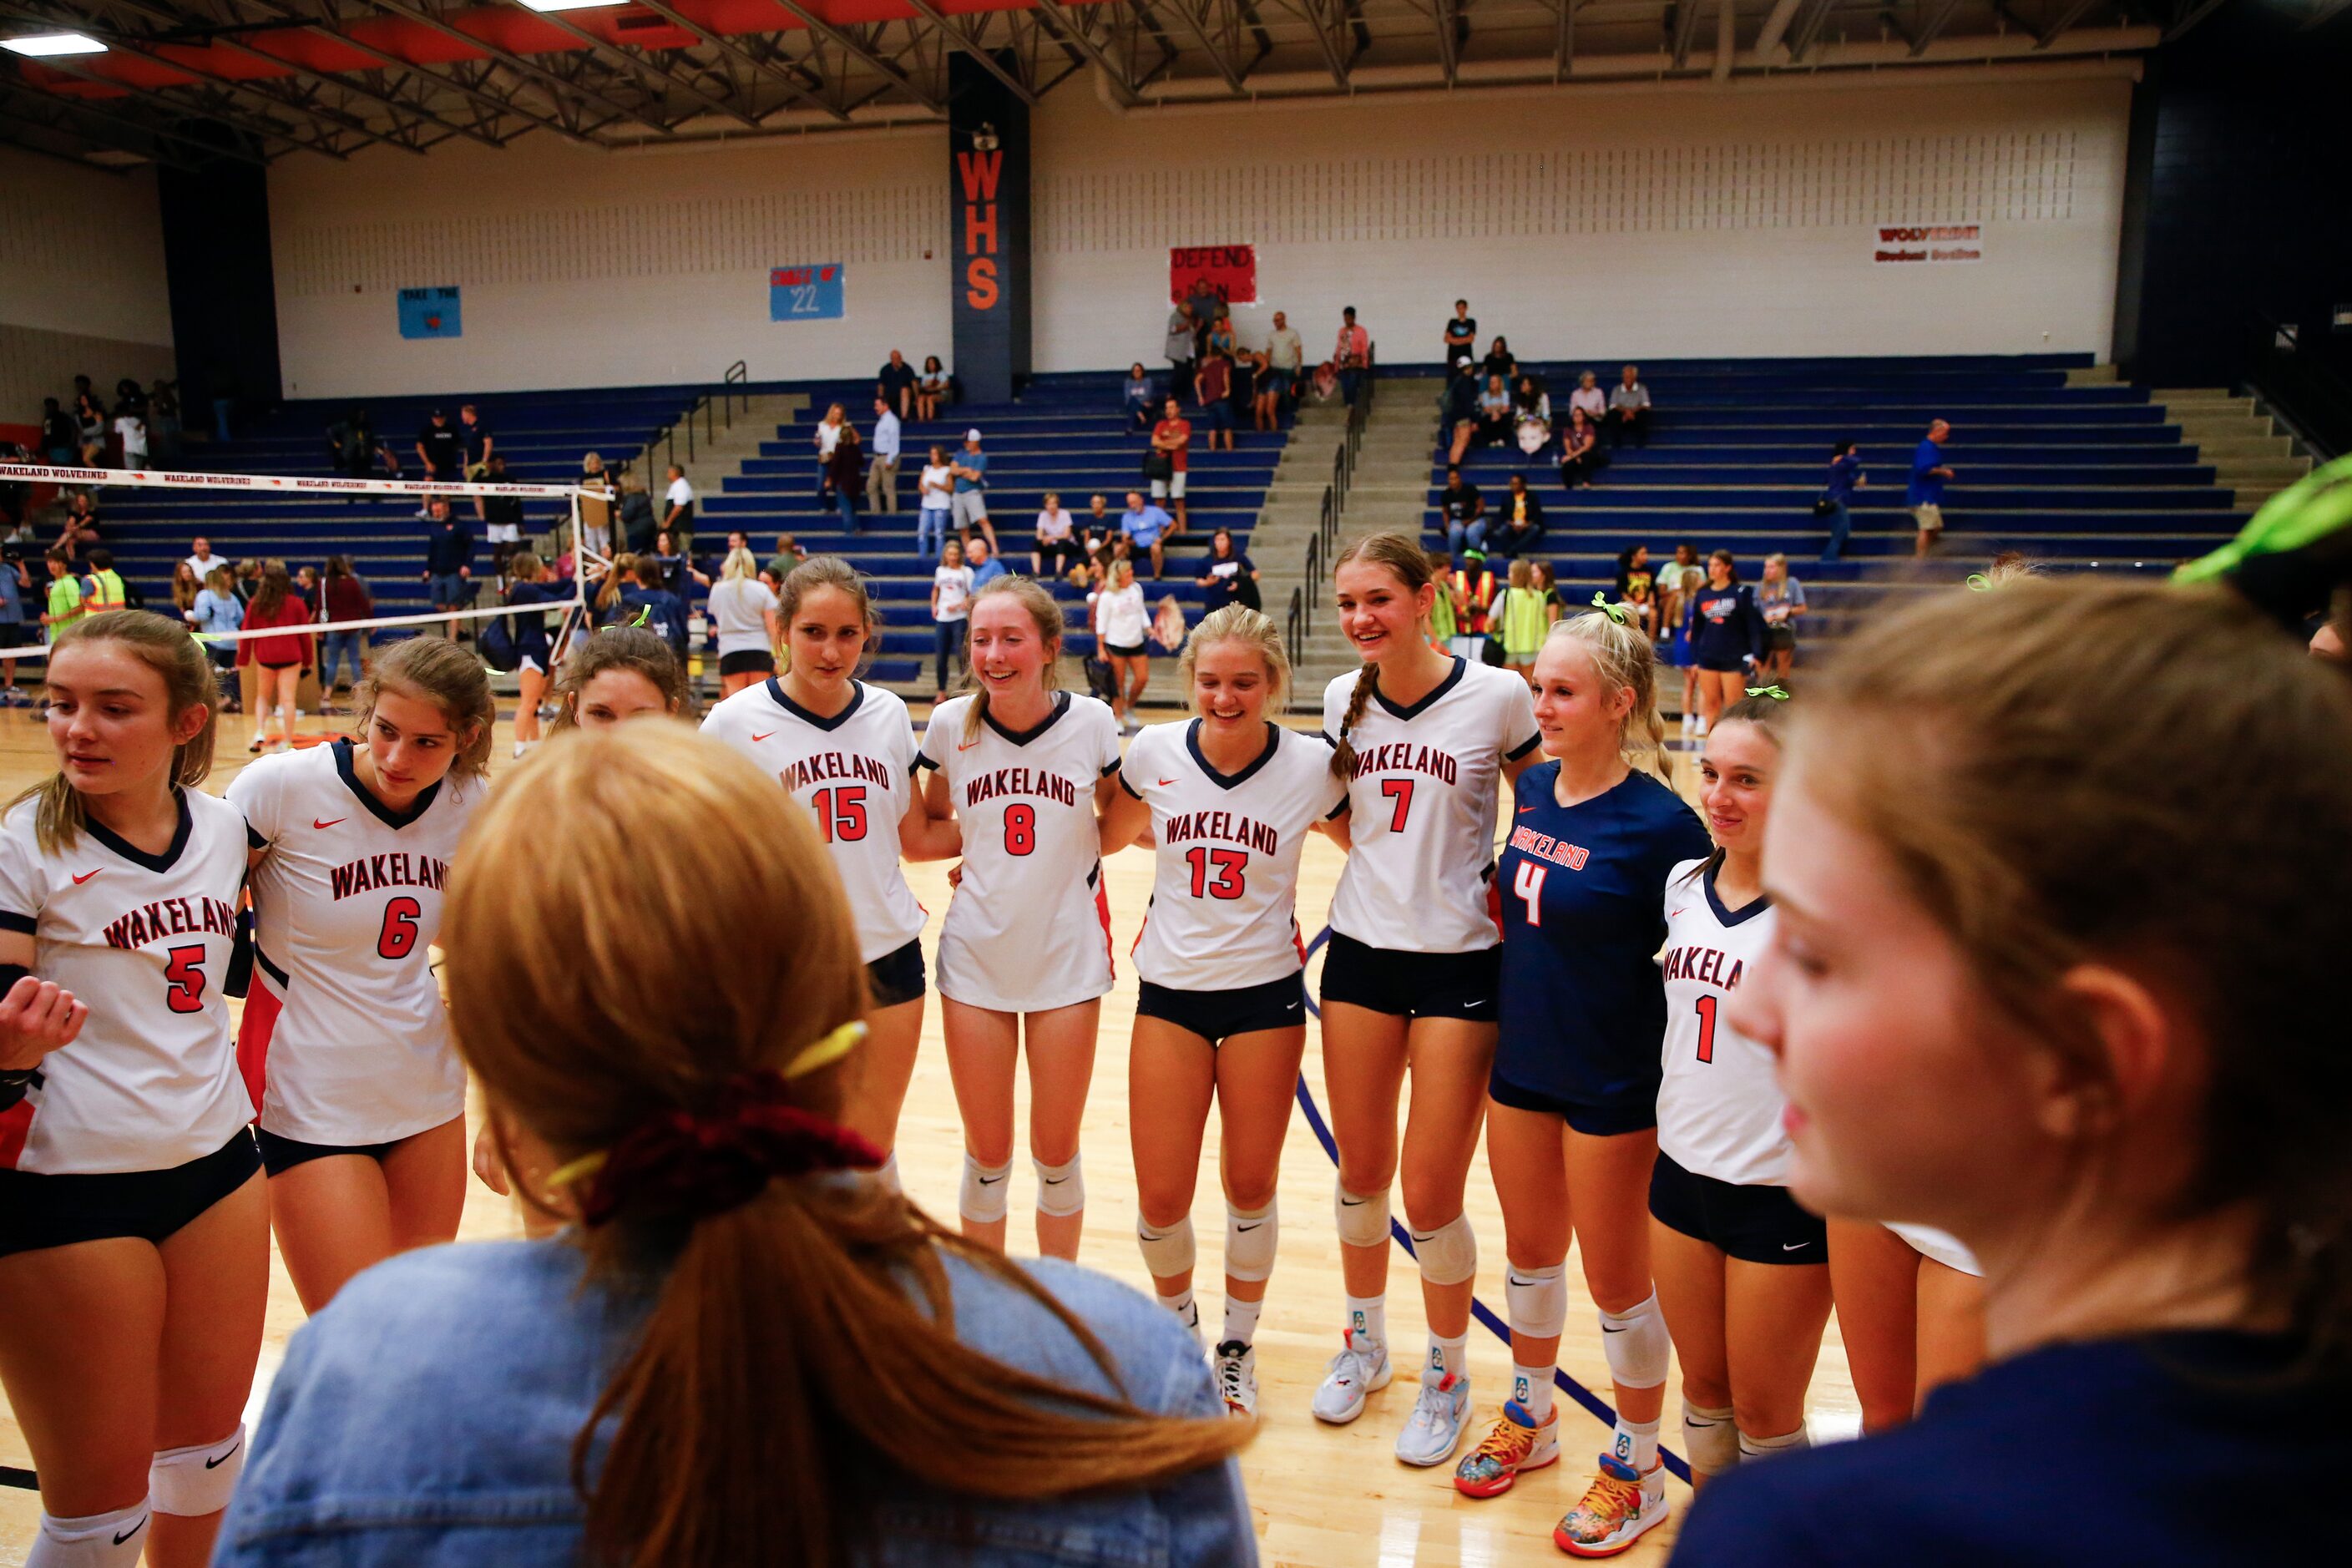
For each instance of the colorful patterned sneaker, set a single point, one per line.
(1236, 1367)
(1360, 1369)
(1617, 1508)
(1435, 1429)
(1512, 1445)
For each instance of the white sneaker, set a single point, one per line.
(1434, 1430)
(1688, 720)
(1236, 1366)
(1360, 1369)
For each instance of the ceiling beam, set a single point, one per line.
(261, 131)
(1806, 30)
(855, 50)
(1442, 14)
(645, 70)
(1563, 38)
(2072, 13)
(1776, 25)
(1200, 31)
(578, 91)
(1070, 27)
(1330, 17)
(2186, 13)
(1931, 26)
(1685, 30)
(30, 104)
(959, 39)
(28, 94)
(789, 80)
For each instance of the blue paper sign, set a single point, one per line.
(806, 293)
(430, 313)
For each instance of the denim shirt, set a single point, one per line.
(425, 1419)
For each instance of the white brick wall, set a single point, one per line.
(82, 282)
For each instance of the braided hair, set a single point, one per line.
(1407, 563)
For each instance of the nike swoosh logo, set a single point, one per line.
(1242, 1228)
(1525, 809)
(990, 1181)
(1794, 1246)
(86, 875)
(1167, 781)
(1292, 1008)
(966, 745)
(1480, 1003)
(225, 1458)
(316, 823)
(1353, 1202)
(757, 738)
(130, 1532)
(1607, 1329)
(1055, 1181)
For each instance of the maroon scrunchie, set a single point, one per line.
(700, 1165)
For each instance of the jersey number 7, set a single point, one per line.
(1401, 792)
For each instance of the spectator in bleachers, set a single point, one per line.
(1121, 625)
(1464, 507)
(185, 586)
(968, 495)
(130, 438)
(501, 518)
(1633, 566)
(951, 612)
(1580, 456)
(1285, 354)
(882, 472)
(1473, 595)
(1179, 350)
(744, 611)
(1461, 334)
(347, 599)
(1446, 605)
(474, 436)
(676, 568)
(1056, 543)
(1836, 502)
(894, 384)
(1213, 383)
(1248, 365)
(1779, 599)
(449, 561)
(1531, 415)
(1172, 441)
(1220, 337)
(1520, 616)
(163, 422)
(1588, 396)
(982, 562)
(216, 612)
(442, 450)
(1629, 410)
(1726, 636)
(81, 529)
(1498, 421)
(1516, 527)
(931, 388)
(1138, 398)
(637, 523)
(201, 559)
(596, 509)
(1500, 361)
(1351, 354)
(1457, 419)
(60, 442)
(845, 472)
(1229, 575)
(14, 583)
(282, 660)
(129, 398)
(89, 431)
(65, 595)
(678, 502)
(1925, 496)
(351, 445)
(935, 497)
(790, 553)
(827, 431)
(1097, 525)
(1145, 527)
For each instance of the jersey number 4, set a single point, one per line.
(1216, 873)
(1527, 884)
(841, 813)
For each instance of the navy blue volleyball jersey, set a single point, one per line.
(1582, 889)
(2178, 1449)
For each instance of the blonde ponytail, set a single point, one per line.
(1623, 659)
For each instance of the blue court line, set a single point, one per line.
(1598, 1407)
(10, 1476)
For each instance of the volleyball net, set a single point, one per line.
(587, 560)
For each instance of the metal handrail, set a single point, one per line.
(710, 408)
(1295, 631)
(2308, 394)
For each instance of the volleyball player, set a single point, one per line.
(1572, 1118)
(534, 583)
(1230, 797)
(1026, 948)
(621, 672)
(1742, 1271)
(1910, 1310)
(1423, 742)
(345, 1042)
(2046, 974)
(845, 750)
(134, 1235)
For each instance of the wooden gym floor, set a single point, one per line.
(1323, 1497)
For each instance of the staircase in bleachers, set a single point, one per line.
(2052, 458)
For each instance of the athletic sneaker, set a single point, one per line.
(1512, 1445)
(1360, 1369)
(1434, 1428)
(1617, 1508)
(1236, 1367)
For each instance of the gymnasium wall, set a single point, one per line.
(81, 282)
(1603, 222)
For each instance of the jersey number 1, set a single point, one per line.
(1706, 1005)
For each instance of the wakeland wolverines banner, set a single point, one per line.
(1926, 244)
(987, 196)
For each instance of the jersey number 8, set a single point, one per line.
(1019, 828)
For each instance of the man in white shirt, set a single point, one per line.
(679, 519)
(882, 475)
(204, 561)
(1282, 353)
(133, 430)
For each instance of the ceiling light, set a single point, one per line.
(570, 4)
(41, 45)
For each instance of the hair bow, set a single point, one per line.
(1979, 583)
(1614, 612)
(1774, 693)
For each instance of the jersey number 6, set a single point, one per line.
(398, 937)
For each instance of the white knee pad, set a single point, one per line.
(1363, 1219)
(1166, 1252)
(1710, 1439)
(887, 1173)
(1249, 1240)
(1061, 1189)
(197, 1480)
(1536, 1300)
(1763, 1447)
(1637, 1344)
(985, 1200)
(1449, 1254)
(97, 1541)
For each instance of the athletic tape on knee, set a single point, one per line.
(1637, 1344)
(1449, 1254)
(1061, 1189)
(1363, 1219)
(193, 1481)
(95, 1541)
(984, 1198)
(1536, 1300)
(1764, 1447)
(1250, 1236)
(1710, 1440)
(1167, 1251)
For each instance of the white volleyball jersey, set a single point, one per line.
(1225, 882)
(854, 771)
(1942, 1246)
(151, 1082)
(344, 1031)
(1029, 928)
(1718, 1108)
(1421, 817)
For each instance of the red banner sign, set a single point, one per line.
(1229, 272)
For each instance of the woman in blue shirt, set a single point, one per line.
(736, 1355)
(1572, 1105)
(1845, 477)
(2067, 981)
(534, 583)
(1726, 636)
(1142, 407)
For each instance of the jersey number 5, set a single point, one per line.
(841, 813)
(183, 979)
(1216, 873)
(398, 937)
(1401, 792)
(1526, 883)
(1019, 828)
